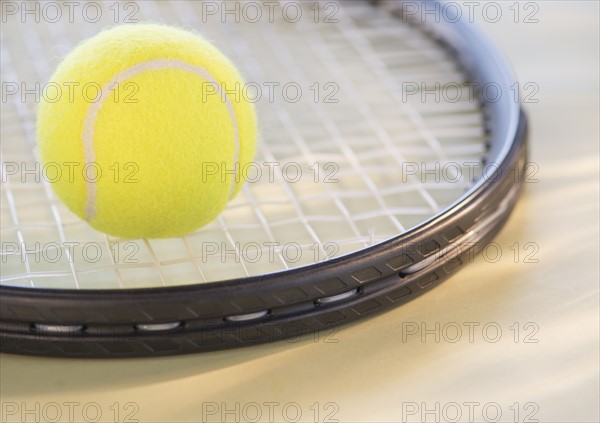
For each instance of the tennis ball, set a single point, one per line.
(149, 133)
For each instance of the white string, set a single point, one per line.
(369, 136)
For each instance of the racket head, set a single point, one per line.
(298, 299)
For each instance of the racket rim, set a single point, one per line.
(512, 152)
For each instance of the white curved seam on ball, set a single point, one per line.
(155, 64)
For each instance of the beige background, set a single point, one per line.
(372, 371)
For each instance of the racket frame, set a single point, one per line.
(266, 308)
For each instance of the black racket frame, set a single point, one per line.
(259, 309)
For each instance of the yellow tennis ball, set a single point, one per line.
(150, 132)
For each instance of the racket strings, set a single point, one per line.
(368, 136)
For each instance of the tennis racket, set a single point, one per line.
(391, 150)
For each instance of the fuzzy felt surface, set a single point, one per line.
(142, 135)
